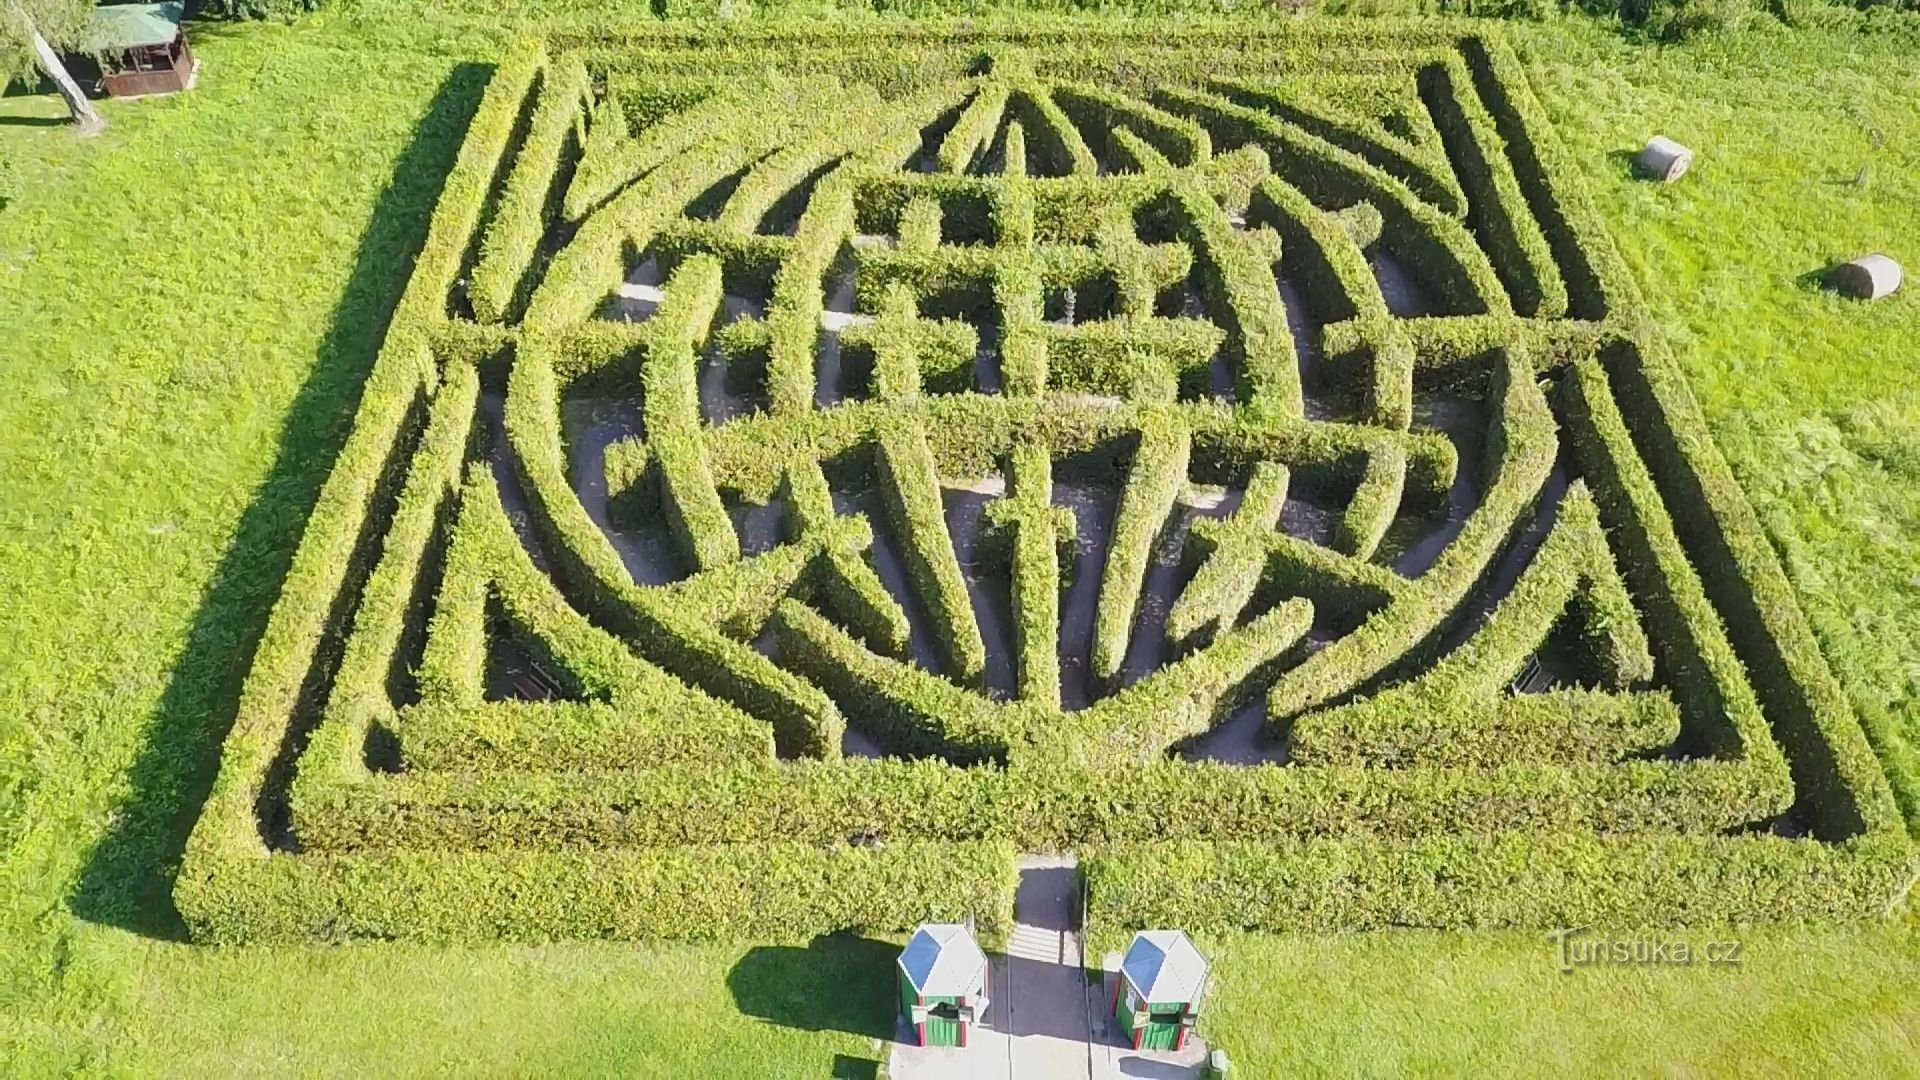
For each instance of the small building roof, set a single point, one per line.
(1163, 966)
(129, 26)
(943, 960)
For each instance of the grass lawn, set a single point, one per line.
(1799, 1003)
(188, 303)
(1809, 153)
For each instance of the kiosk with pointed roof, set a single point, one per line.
(943, 978)
(1156, 997)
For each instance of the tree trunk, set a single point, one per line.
(84, 116)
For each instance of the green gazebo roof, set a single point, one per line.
(129, 26)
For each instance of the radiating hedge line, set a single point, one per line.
(1458, 712)
(1238, 280)
(773, 181)
(1339, 585)
(1329, 266)
(738, 600)
(359, 696)
(1036, 536)
(1496, 211)
(1437, 249)
(848, 585)
(1521, 452)
(1841, 788)
(669, 376)
(689, 644)
(1186, 698)
(592, 265)
(1375, 503)
(912, 484)
(904, 709)
(1112, 786)
(1232, 556)
(1142, 359)
(1155, 478)
(507, 250)
(635, 714)
(1018, 283)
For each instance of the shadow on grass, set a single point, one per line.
(839, 982)
(1826, 279)
(128, 880)
(35, 121)
(846, 1067)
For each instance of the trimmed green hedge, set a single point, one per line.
(508, 248)
(1544, 879)
(332, 548)
(1041, 539)
(690, 783)
(775, 892)
(1459, 713)
(1155, 477)
(907, 471)
(1098, 778)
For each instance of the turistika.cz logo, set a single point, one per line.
(1579, 947)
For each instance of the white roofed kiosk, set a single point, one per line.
(1156, 999)
(943, 978)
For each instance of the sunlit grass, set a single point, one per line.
(173, 292)
(1808, 153)
(1798, 1003)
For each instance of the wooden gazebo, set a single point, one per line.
(141, 49)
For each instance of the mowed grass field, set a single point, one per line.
(188, 303)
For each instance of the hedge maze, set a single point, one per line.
(803, 473)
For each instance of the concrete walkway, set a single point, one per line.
(1045, 1021)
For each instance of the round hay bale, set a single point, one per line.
(1664, 160)
(1868, 277)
